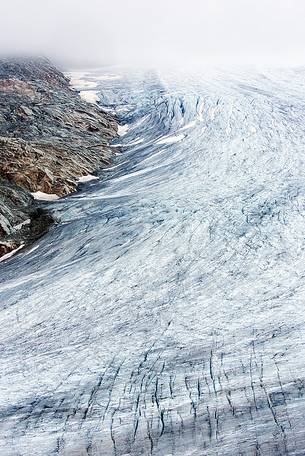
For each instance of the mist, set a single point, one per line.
(78, 33)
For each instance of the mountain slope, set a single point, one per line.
(49, 137)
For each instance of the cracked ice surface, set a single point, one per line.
(165, 314)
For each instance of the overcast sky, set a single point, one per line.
(81, 33)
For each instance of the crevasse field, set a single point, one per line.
(165, 313)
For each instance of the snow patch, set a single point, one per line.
(110, 168)
(135, 142)
(188, 125)
(122, 109)
(41, 196)
(10, 254)
(170, 139)
(32, 249)
(20, 225)
(87, 178)
(91, 96)
(122, 129)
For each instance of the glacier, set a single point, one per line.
(165, 313)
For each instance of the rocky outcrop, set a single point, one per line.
(49, 138)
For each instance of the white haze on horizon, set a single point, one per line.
(78, 33)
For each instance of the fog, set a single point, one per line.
(79, 33)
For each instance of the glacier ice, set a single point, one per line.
(165, 314)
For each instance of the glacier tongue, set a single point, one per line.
(165, 314)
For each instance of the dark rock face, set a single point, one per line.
(49, 138)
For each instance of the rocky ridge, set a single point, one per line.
(49, 138)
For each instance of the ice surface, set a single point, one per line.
(164, 314)
(170, 139)
(107, 77)
(82, 84)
